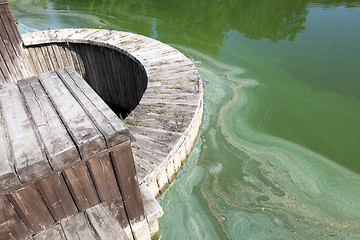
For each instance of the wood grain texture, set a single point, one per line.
(87, 138)
(81, 186)
(76, 227)
(8, 176)
(129, 186)
(107, 187)
(31, 208)
(172, 79)
(11, 226)
(29, 159)
(56, 196)
(104, 223)
(111, 127)
(53, 233)
(58, 145)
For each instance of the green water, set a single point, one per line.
(278, 153)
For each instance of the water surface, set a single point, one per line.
(278, 153)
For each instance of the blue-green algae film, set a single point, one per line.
(278, 152)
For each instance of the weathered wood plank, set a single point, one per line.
(111, 127)
(7, 53)
(56, 196)
(152, 209)
(48, 61)
(81, 186)
(76, 227)
(53, 58)
(58, 145)
(54, 233)
(32, 61)
(60, 55)
(83, 132)
(105, 180)
(126, 175)
(16, 52)
(11, 226)
(105, 223)
(41, 59)
(31, 208)
(8, 177)
(29, 159)
(107, 187)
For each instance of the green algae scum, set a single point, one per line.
(278, 153)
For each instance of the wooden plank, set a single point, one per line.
(65, 52)
(13, 26)
(107, 186)
(47, 58)
(29, 159)
(89, 72)
(33, 60)
(81, 186)
(129, 186)
(11, 226)
(56, 196)
(76, 227)
(104, 179)
(54, 233)
(152, 208)
(31, 208)
(8, 177)
(6, 51)
(41, 59)
(3, 1)
(111, 127)
(83, 132)
(104, 223)
(60, 55)
(16, 52)
(53, 58)
(58, 145)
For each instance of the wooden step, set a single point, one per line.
(96, 223)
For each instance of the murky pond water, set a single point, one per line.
(278, 156)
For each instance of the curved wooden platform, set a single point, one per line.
(165, 123)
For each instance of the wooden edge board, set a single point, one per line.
(58, 145)
(29, 158)
(82, 130)
(112, 128)
(152, 208)
(76, 227)
(8, 176)
(104, 223)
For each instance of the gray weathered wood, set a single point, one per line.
(152, 209)
(77, 227)
(105, 223)
(112, 128)
(84, 133)
(53, 233)
(58, 145)
(8, 177)
(29, 159)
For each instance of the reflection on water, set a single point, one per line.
(278, 154)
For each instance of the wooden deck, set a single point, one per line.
(63, 151)
(166, 120)
(65, 155)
